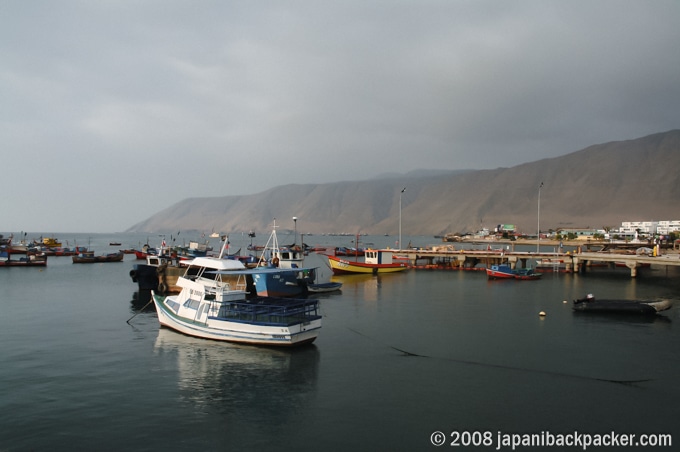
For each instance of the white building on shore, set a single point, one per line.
(650, 228)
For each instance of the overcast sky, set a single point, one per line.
(111, 111)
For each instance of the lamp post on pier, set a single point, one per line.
(538, 231)
(295, 233)
(400, 195)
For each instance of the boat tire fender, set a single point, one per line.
(162, 288)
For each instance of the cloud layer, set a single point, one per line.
(112, 111)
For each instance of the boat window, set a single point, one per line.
(192, 304)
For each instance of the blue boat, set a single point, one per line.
(506, 272)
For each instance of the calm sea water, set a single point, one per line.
(399, 357)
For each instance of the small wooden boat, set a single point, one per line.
(31, 260)
(375, 261)
(527, 274)
(507, 272)
(324, 287)
(49, 242)
(90, 258)
(69, 251)
(591, 304)
(500, 272)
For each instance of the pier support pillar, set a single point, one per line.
(633, 268)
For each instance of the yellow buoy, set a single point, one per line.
(542, 313)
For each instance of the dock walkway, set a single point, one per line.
(447, 257)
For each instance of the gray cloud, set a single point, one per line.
(112, 111)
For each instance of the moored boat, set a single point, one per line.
(527, 274)
(51, 242)
(375, 261)
(280, 270)
(214, 304)
(159, 273)
(32, 259)
(69, 251)
(90, 258)
(324, 287)
(504, 271)
(500, 272)
(620, 306)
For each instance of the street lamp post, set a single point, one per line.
(538, 231)
(295, 233)
(400, 195)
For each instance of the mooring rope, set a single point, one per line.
(503, 366)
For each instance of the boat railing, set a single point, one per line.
(286, 313)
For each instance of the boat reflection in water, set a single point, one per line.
(240, 379)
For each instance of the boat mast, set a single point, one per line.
(274, 246)
(224, 246)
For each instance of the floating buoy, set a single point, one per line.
(564, 301)
(542, 313)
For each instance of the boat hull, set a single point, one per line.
(324, 287)
(31, 261)
(506, 272)
(341, 266)
(92, 259)
(161, 278)
(222, 329)
(621, 306)
(146, 276)
(279, 285)
(500, 272)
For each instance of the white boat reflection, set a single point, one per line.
(232, 377)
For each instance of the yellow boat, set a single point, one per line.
(51, 242)
(375, 261)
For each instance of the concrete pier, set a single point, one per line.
(448, 257)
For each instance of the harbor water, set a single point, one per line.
(400, 357)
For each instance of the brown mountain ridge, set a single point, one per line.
(601, 185)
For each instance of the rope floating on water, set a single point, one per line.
(506, 367)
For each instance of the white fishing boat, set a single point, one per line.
(214, 304)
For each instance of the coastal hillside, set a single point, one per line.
(601, 185)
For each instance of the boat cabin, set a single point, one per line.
(378, 257)
(203, 280)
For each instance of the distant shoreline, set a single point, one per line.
(666, 247)
(548, 242)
